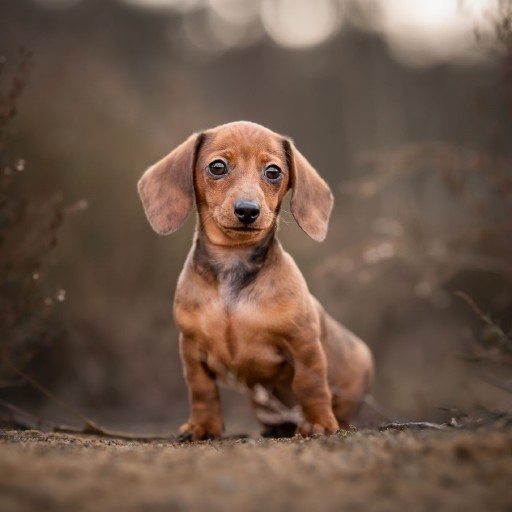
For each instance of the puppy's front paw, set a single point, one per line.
(194, 431)
(308, 429)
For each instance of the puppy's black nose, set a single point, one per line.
(247, 211)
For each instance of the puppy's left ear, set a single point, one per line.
(167, 187)
(312, 199)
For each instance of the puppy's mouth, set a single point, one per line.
(242, 229)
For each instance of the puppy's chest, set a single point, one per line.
(238, 344)
(226, 306)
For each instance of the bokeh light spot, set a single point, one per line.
(300, 23)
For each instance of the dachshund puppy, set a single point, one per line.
(243, 308)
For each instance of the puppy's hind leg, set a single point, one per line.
(350, 370)
(348, 394)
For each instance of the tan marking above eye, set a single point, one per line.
(266, 159)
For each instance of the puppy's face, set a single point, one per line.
(237, 174)
(241, 177)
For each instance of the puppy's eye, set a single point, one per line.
(217, 169)
(273, 173)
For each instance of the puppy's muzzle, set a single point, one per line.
(247, 211)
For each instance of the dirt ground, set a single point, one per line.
(466, 469)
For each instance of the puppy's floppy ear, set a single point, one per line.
(312, 199)
(167, 187)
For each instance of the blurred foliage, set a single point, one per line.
(503, 24)
(28, 234)
(466, 233)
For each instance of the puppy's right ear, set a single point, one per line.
(167, 187)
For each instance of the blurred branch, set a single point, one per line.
(468, 300)
(34, 421)
(9, 98)
(501, 338)
(383, 411)
(484, 356)
(448, 159)
(89, 426)
(414, 425)
(494, 381)
(500, 341)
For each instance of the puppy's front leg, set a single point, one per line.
(205, 412)
(311, 388)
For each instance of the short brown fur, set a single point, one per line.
(243, 308)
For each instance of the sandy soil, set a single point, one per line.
(451, 469)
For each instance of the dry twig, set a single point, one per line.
(89, 426)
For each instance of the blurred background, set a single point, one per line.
(405, 108)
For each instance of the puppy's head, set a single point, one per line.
(238, 174)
